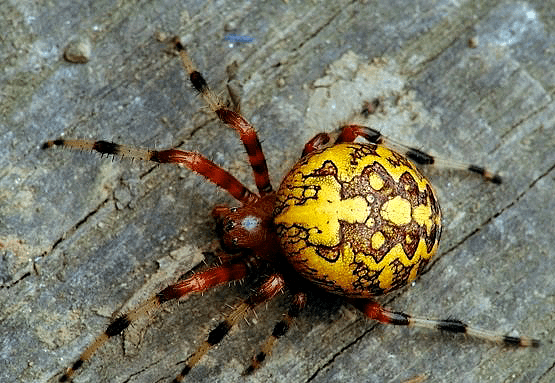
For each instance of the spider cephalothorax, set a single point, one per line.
(356, 219)
(247, 227)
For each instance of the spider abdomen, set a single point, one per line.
(357, 219)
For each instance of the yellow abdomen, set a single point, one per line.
(357, 219)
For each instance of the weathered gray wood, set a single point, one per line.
(82, 236)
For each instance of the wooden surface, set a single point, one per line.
(82, 236)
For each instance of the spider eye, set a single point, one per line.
(230, 245)
(229, 226)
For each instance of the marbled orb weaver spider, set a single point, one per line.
(355, 219)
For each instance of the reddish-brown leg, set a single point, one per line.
(318, 141)
(349, 133)
(273, 285)
(374, 310)
(281, 328)
(198, 282)
(192, 160)
(232, 119)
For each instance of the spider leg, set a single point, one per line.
(321, 140)
(192, 160)
(349, 133)
(232, 119)
(374, 310)
(198, 282)
(281, 328)
(265, 292)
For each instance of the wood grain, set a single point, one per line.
(82, 236)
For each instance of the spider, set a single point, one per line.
(355, 219)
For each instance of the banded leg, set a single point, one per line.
(281, 328)
(349, 133)
(232, 119)
(198, 282)
(192, 160)
(267, 291)
(374, 310)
